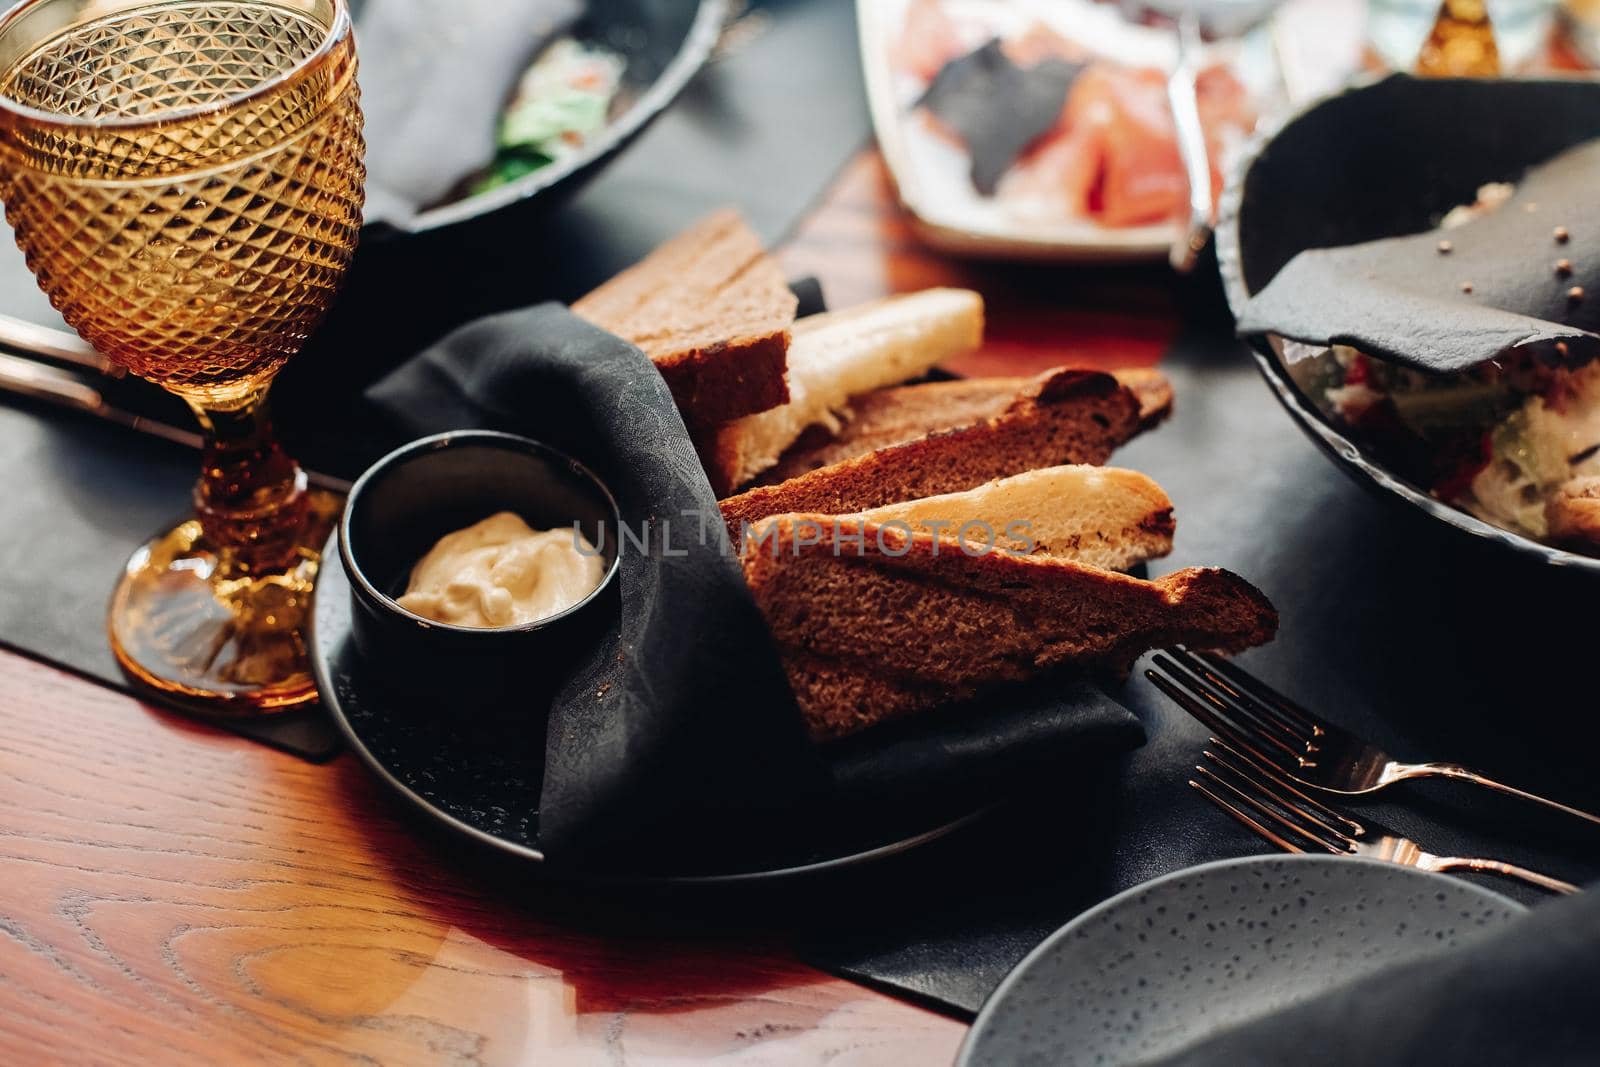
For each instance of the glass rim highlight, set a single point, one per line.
(338, 30)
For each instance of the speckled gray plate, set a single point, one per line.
(1179, 958)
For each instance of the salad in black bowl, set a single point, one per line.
(1417, 267)
(477, 107)
(1515, 442)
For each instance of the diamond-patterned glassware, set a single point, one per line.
(208, 280)
(185, 180)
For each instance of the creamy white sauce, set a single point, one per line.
(502, 572)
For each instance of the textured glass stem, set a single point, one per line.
(251, 497)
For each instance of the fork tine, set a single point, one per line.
(1264, 693)
(1290, 745)
(1308, 808)
(1245, 703)
(1270, 812)
(1218, 726)
(1254, 824)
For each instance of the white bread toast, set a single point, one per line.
(835, 356)
(1102, 516)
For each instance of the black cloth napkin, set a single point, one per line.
(986, 749)
(1506, 282)
(1525, 995)
(683, 719)
(434, 77)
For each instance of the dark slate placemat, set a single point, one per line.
(1391, 625)
(77, 499)
(766, 126)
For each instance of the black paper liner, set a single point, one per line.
(1326, 196)
(476, 773)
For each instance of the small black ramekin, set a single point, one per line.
(415, 495)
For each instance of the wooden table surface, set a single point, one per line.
(173, 894)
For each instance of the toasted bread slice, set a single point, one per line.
(874, 623)
(713, 312)
(905, 413)
(1152, 389)
(1102, 516)
(1064, 417)
(835, 356)
(1574, 514)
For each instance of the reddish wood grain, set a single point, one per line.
(173, 894)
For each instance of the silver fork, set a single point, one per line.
(1269, 804)
(1251, 717)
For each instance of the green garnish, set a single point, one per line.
(564, 98)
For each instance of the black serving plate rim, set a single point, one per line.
(702, 37)
(1048, 945)
(1349, 456)
(322, 668)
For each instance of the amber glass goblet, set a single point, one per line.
(185, 178)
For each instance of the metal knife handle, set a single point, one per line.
(47, 383)
(63, 389)
(19, 335)
(1191, 135)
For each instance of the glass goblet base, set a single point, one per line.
(186, 623)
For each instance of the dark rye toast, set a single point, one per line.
(873, 623)
(904, 413)
(713, 311)
(1063, 417)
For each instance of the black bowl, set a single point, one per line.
(664, 43)
(412, 497)
(1381, 160)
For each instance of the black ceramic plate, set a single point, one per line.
(1182, 957)
(478, 776)
(664, 42)
(1381, 160)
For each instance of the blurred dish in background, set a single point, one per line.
(1026, 128)
(496, 132)
(1583, 29)
(1406, 34)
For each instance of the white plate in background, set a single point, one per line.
(931, 173)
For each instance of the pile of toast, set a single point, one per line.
(914, 545)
